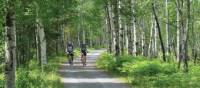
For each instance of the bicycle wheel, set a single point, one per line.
(70, 60)
(84, 61)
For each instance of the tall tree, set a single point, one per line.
(133, 21)
(159, 32)
(110, 24)
(167, 27)
(116, 23)
(121, 27)
(40, 38)
(10, 43)
(177, 30)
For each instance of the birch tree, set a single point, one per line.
(159, 32)
(133, 21)
(177, 30)
(167, 27)
(10, 43)
(110, 24)
(121, 28)
(116, 23)
(40, 39)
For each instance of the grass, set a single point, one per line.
(142, 72)
(33, 77)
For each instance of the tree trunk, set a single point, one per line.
(178, 31)
(63, 38)
(130, 41)
(150, 50)
(126, 38)
(143, 37)
(185, 39)
(10, 44)
(167, 27)
(159, 32)
(116, 22)
(155, 36)
(110, 25)
(133, 19)
(41, 40)
(121, 28)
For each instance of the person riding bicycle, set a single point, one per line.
(70, 52)
(83, 54)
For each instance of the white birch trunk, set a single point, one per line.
(41, 40)
(84, 37)
(116, 23)
(134, 27)
(150, 50)
(143, 37)
(43, 45)
(155, 51)
(10, 44)
(178, 32)
(167, 27)
(126, 37)
(121, 28)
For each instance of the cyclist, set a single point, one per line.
(83, 54)
(70, 52)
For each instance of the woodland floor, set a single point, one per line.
(89, 76)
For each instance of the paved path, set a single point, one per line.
(88, 77)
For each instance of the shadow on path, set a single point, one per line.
(78, 76)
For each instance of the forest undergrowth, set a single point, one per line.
(142, 72)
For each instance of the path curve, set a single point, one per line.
(89, 76)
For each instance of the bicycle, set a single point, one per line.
(83, 59)
(70, 58)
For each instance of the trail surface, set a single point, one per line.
(89, 76)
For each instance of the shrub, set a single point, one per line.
(107, 62)
(147, 69)
(143, 72)
(32, 77)
(168, 68)
(2, 81)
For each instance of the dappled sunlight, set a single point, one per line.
(80, 70)
(77, 76)
(91, 80)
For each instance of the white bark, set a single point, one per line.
(116, 23)
(167, 27)
(150, 50)
(143, 37)
(63, 37)
(178, 32)
(121, 28)
(111, 11)
(155, 51)
(43, 45)
(10, 44)
(84, 37)
(126, 37)
(110, 26)
(134, 27)
(41, 40)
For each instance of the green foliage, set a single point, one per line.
(1, 36)
(33, 77)
(146, 69)
(106, 61)
(37, 79)
(2, 81)
(145, 72)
